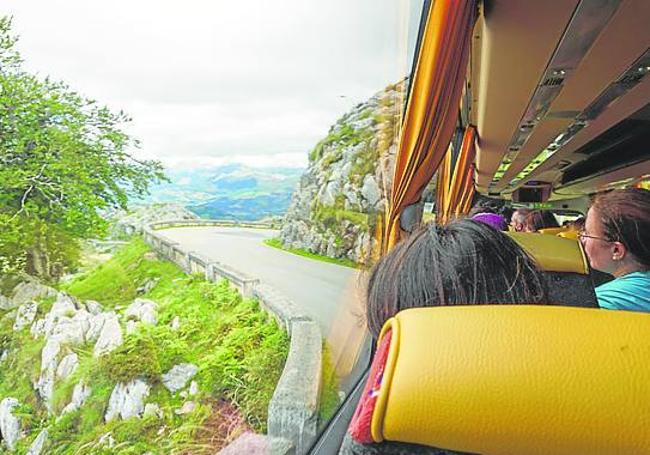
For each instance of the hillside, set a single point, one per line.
(341, 197)
(134, 357)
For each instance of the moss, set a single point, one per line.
(277, 243)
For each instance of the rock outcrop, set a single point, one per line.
(9, 424)
(342, 195)
(176, 378)
(127, 400)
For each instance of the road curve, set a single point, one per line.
(320, 288)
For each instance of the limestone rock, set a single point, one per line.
(143, 310)
(176, 324)
(6, 304)
(79, 395)
(176, 378)
(194, 388)
(67, 366)
(9, 424)
(151, 410)
(370, 191)
(130, 326)
(187, 408)
(93, 307)
(39, 443)
(127, 400)
(110, 336)
(28, 291)
(25, 315)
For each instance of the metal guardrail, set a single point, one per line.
(293, 410)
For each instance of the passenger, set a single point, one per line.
(517, 219)
(462, 263)
(494, 220)
(539, 219)
(616, 239)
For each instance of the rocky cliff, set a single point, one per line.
(341, 197)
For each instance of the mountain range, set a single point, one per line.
(232, 191)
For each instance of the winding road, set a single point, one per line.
(321, 289)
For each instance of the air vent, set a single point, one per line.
(622, 145)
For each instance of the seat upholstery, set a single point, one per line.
(516, 379)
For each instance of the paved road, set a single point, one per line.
(318, 287)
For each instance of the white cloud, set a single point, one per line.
(211, 81)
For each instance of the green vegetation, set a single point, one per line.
(240, 352)
(63, 160)
(276, 243)
(329, 398)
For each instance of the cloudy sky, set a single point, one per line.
(213, 81)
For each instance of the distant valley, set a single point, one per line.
(233, 191)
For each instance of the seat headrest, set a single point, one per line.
(552, 253)
(516, 379)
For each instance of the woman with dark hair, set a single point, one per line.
(464, 262)
(616, 239)
(539, 219)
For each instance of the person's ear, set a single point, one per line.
(618, 251)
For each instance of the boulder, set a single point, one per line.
(28, 291)
(370, 191)
(39, 443)
(151, 410)
(93, 307)
(67, 366)
(25, 315)
(6, 304)
(127, 400)
(79, 395)
(9, 424)
(110, 336)
(176, 378)
(143, 310)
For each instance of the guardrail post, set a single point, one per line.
(293, 411)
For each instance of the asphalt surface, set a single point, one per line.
(321, 289)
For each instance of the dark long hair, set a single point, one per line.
(540, 219)
(462, 263)
(625, 215)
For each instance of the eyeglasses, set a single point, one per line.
(582, 235)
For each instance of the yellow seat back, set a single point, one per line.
(552, 230)
(512, 379)
(552, 253)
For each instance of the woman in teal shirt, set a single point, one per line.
(616, 239)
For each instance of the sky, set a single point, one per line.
(209, 82)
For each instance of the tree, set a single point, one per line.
(64, 160)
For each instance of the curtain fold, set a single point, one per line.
(460, 184)
(432, 107)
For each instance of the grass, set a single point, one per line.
(276, 243)
(240, 352)
(329, 398)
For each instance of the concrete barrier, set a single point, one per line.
(293, 410)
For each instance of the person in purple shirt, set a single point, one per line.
(616, 239)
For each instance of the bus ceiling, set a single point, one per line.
(547, 82)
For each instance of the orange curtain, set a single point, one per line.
(457, 195)
(443, 183)
(432, 107)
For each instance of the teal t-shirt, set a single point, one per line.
(630, 292)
